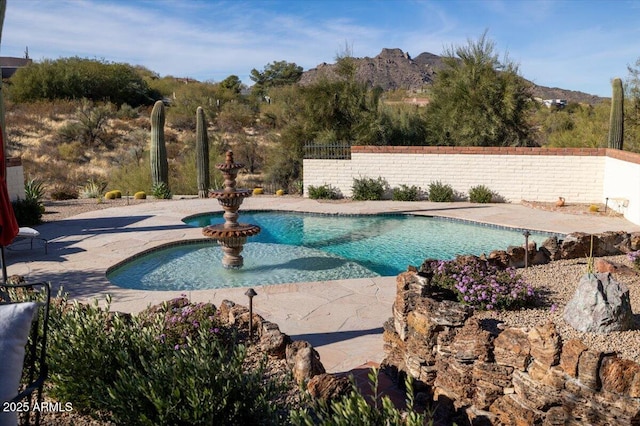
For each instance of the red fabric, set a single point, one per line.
(8, 222)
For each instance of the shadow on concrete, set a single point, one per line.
(321, 339)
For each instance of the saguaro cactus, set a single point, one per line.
(616, 120)
(158, 150)
(202, 154)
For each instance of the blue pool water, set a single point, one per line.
(295, 247)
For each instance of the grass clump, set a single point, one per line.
(440, 192)
(406, 193)
(93, 189)
(323, 192)
(480, 194)
(368, 188)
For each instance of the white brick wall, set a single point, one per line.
(15, 182)
(577, 178)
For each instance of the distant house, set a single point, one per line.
(9, 65)
(558, 103)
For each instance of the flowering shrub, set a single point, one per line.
(171, 364)
(480, 284)
(181, 320)
(634, 256)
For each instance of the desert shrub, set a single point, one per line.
(480, 284)
(440, 193)
(140, 195)
(368, 188)
(93, 189)
(480, 194)
(28, 212)
(131, 176)
(161, 191)
(323, 192)
(63, 193)
(356, 409)
(405, 193)
(126, 111)
(73, 152)
(175, 364)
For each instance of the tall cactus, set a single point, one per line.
(616, 120)
(202, 154)
(158, 150)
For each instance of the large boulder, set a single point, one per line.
(599, 305)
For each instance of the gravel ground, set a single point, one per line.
(57, 210)
(558, 281)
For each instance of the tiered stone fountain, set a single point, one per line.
(231, 235)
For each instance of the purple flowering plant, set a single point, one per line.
(634, 256)
(181, 321)
(481, 284)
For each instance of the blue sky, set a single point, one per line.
(573, 44)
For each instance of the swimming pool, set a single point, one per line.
(296, 247)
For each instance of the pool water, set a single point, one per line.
(297, 247)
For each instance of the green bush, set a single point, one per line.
(440, 193)
(323, 192)
(368, 188)
(28, 212)
(480, 194)
(64, 193)
(161, 191)
(405, 193)
(171, 364)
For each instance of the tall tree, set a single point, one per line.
(479, 100)
(277, 73)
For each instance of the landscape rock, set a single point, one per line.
(570, 356)
(599, 305)
(512, 348)
(273, 341)
(620, 376)
(551, 246)
(303, 360)
(328, 387)
(545, 344)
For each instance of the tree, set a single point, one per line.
(479, 100)
(632, 108)
(232, 83)
(77, 78)
(277, 73)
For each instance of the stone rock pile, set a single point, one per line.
(572, 246)
(480, 373)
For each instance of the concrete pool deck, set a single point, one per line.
(341, 319)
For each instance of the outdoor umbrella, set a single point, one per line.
(8, 222)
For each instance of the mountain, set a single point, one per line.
(394, 69)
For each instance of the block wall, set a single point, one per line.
(580, 175)
(15, 179)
